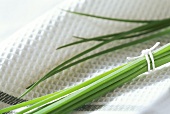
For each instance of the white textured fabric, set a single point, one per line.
(31, 52)
(161, 106)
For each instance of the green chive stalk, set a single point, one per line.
(131, 69)
(152, 28)
(76, 96)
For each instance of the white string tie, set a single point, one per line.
(147, 53)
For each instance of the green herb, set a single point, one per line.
(67, 100)
(148, 27)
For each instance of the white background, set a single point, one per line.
(14, 14)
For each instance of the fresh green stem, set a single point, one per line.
(162, 53)
(70, 90)
(110, 88)
(102, 83)
(144, 29)
(100, 93)
(26, 103)
(64, 92)
(112, 19)
(56, 70)
(86, 91)
(135, 30)
(52, 72)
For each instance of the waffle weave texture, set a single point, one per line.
(31, 53)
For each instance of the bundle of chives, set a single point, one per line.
(67, 100)
(156, 28)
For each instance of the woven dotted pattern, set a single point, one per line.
(31, 52)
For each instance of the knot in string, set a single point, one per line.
(147, 53)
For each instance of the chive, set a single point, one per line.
(92, 88)
(110, 88)
(121, 76)
(100, 93)
(113, 19)
(137, 29)
(121, 35)
(148, 27)
(113, 37)
(97, 84)
(63, 92)
(26, 103)
(79, 95)
(65, 64)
